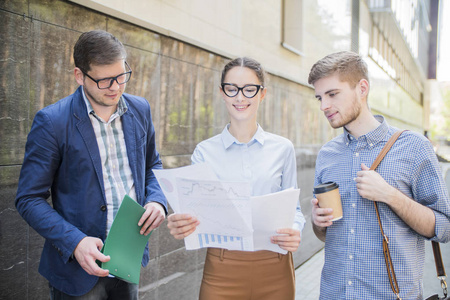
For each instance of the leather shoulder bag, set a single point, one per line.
(440, 270)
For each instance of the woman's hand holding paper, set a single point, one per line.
(181, 225)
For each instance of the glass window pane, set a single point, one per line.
(292, 25)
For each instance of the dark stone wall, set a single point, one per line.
(179, 80)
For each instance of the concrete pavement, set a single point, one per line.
(307, 278)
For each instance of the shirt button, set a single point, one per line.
(353, 205)
(352, 231)
(350, 256)
(356, 154)
(371, 145)
(350, 282)
(103, 207)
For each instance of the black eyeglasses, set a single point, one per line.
(248, 90)
(106, 83)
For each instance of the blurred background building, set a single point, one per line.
(176, 49)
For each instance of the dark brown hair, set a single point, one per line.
(247, 63)
(97, 47)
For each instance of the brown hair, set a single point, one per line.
(97, 47)
(349, 66)
(247, 63)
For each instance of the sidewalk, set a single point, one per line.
(307, 276)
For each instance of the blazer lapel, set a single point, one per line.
(86, 131)
(129, 132)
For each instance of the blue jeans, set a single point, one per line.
(107, 288)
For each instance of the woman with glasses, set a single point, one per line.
(245, 152)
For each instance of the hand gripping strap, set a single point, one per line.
(440, 270)
(387, 255)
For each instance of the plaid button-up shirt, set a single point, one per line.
(117, 176)
(354, 263)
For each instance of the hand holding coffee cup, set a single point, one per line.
(328, 196)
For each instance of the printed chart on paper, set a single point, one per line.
(231, 225)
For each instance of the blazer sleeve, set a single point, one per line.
(41, 161)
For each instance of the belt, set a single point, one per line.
(243, 255)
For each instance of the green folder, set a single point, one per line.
(124, 244)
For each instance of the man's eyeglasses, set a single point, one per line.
(248, 90)
(106, 83)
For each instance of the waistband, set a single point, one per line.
(244, 255)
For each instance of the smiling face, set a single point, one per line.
(340, 103)
(102, 99)
(240, 108)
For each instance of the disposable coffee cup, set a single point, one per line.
(328, 195)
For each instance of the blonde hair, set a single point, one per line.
(349, 66)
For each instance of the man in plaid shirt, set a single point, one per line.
(408, 186)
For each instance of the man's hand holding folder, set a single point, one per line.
(122, 252)
(87, 252)
(153, 216)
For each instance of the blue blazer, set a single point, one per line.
(62, 156)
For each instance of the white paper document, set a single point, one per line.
(167, 179)
(271, 212)
(224, 210)
(229, 217)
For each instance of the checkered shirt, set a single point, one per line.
(354, 263)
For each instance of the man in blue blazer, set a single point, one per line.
(87, 151)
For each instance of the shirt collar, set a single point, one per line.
(228, 139)
(374, 136)
(121, 106)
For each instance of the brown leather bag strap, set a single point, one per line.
(386, 149)
(377, 161)
(440, 270)
(387, 256)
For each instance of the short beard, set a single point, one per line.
(351, 116)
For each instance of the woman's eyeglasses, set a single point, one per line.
(248, 90)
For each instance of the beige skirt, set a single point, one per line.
(240, 275)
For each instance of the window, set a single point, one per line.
(292, 26)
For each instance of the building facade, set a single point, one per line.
(176, 49)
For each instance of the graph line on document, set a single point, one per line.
(206, 189)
